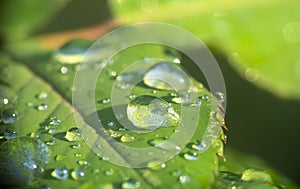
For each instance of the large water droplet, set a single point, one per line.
(72, 52)
(60, 174)
(9, 116)
(127, 138)
(166, 76)
(21, 160)
(73, 135)
(130, 184)
(151, 112)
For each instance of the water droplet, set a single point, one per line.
(21, 165)
(106, 101)
(113, 74)
(51, 131)
(291, 32)
(156, 141)
(111, 124)
(5, 101)
(132, 96)
(189, 157)
(8, 135)
(30, 104)
(127, 138)
(54, 121)
(166, 76)
(42, 95)
(73, 135)
(64, 70)
(154, 91)
(220, 96)
(60, 174)
(114, 134)
(173, 54)
(77, 174)
(251, 74)
(183, 179)
(76, 146)
(176, 173)
(72, 52)
(78, 155)
(151, 112)
(82, 162)
(42, 107)
(130, 184)
(156, 166)
(109, 172)
(9, 116)
(199, 147)
(59, 158)
(51, 142)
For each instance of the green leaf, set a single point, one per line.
(19, 18)
(27, 77)
(260, 38)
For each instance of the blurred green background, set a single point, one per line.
(260, 122)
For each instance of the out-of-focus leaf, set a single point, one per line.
(260, 38)
(19, 18)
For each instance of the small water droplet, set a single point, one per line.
(109, 172)
(9, 116)
(113, 74)
(114, 134)
(60, 174)
(5, 101)
(42, 95)
(64, 70)
(154, 91)
(132, 96)
(106, 101)
(156, 141)
(54, 121)
(10, 134)
(184, 179)
(42, 107)
(78, 155)
(30, 104)
(130, 184)
(72, 52)
(111, 124)
(189, 157)
(251, 74)
(173, 54)
(199, 147)
(156, 166)
(176, 173)
(59, 158)
(73, 135)
(127, 138)
(77, 174)
(51, 131)
(76, 146)
(151, 112)
(82, 162)
(51, 142)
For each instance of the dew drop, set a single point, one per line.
(166, 76)
(184, 179)
(42, 95)
(73, 135)
(59, 158)
(82, 162)
(109, 172)
(42, 107)
(132, 96)
(60, 174)
(199, 147)
(8, 135)
(64, 70)
(72, 52)
(130, 184)
(251, 74)
(111, 124)
(9, 116)
(54, 121)
(156, 166)
(189, 157)
(152, 112)
(76, 146)
(77, 174)
(78, 155)
(173, 54)
(25, 162)
(106, 101)
(127, 138)
(51, 131)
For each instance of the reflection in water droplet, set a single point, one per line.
(77, 174)
(156, 166)
(51, 131)
(183, 179)
(109, 172)
(73, 134)
(9, 116)
(149, 111)
(77, 154)
(251, 74)
(82, 162)
(199, 147)
(130, 184)
(173, 54)
(60, 174)
(127, 138)
(72, 52)
(5, 101)
(106, 101)
(160, 75)
(132, 96)
(76, 146)
(291, 32)
(42, 107)
(54, 121)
